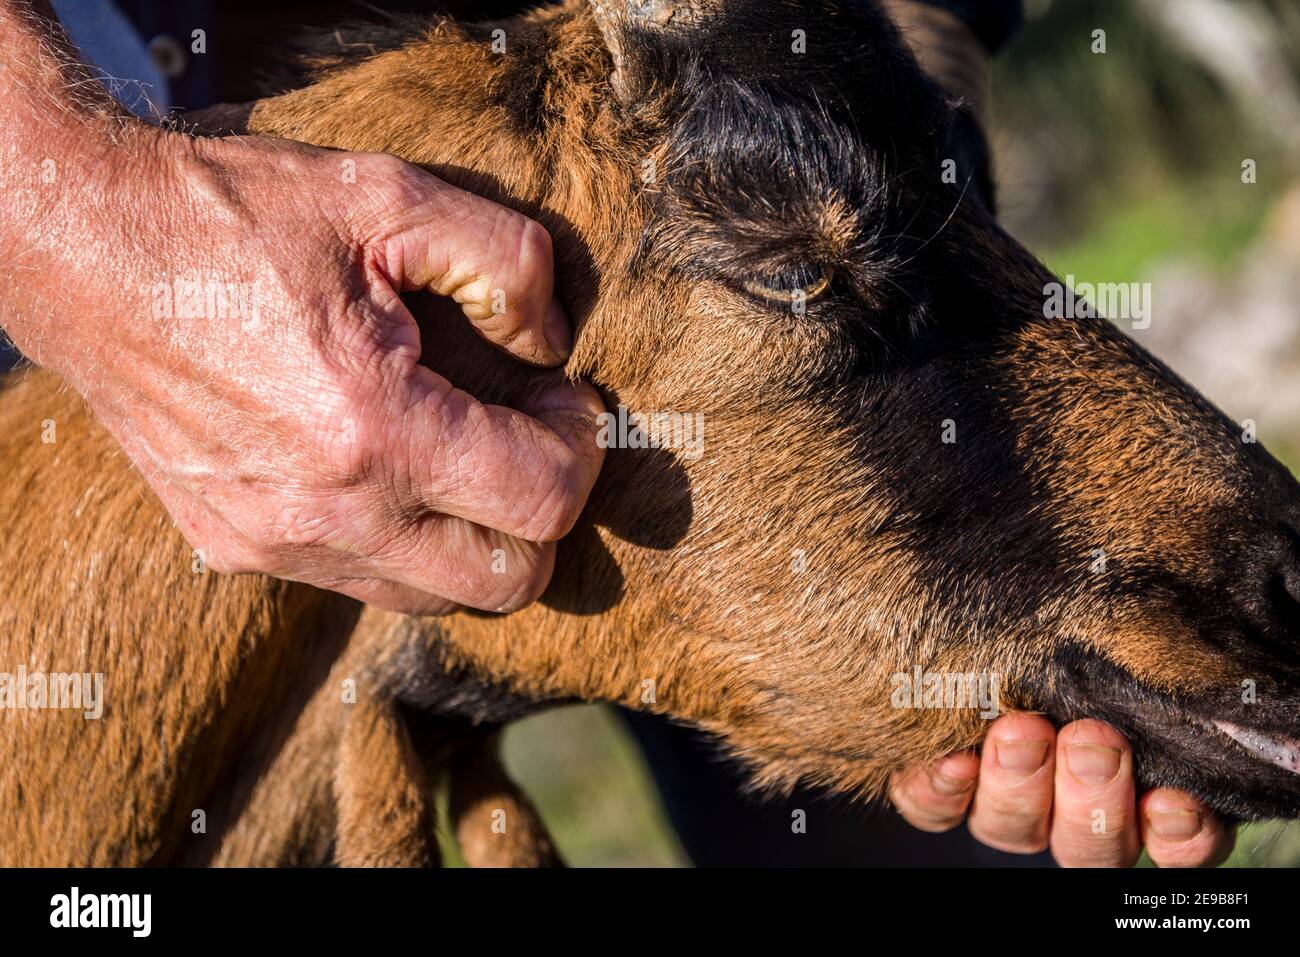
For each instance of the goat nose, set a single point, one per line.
(1266, 586)
(1277, 587)
(1283, 598)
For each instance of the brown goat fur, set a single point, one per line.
(495, 823)
(383, 797)
(769, 591)
(192, 679)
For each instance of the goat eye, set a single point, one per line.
(803, 283)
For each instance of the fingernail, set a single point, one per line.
(1020, 757)
(1176, 824)
(949, 786)
(1092, 764)
(558, 332)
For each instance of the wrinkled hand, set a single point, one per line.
(288, 427)
(1032, 788)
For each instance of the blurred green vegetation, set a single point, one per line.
(1095, 148)
(1108, 164)
(590, 784)
(619, 823)
(1215, 228)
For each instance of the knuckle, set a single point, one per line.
(530, 574)
(388, 187)
(526, 591)
(535, 255)
(1108, 854)
(1033, 845)
(504, 328)
(398, 180)
(1180, 857)
(232, 558)
(360, 347)
(555, 508)
(1017, 830)
(349, 441)
(931, 824)
(1033, 840)
(1076, 844)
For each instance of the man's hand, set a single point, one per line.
(1032, 788)
(230, 309)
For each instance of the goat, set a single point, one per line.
(907, 464)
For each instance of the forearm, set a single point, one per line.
(42, 77)
(67, 152)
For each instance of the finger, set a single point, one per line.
(390, 596)
(467, 564)
(432, 566)
(934, 798)
(524, 472)
(1180, 831)
(496, 263)
(1013, 804)
(1094, 820)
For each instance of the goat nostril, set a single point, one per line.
(1292, 537)
(1284, 601)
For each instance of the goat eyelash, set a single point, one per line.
(806, 284)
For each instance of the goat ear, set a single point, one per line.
(618, 21)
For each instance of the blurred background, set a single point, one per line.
(1127, 166)
(1123, 166)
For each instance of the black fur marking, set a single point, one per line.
(778, 161)
(421, 678)
(521, 90)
